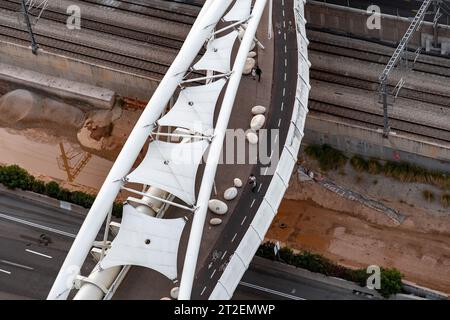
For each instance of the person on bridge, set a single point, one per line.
(258, 73)
(253, 183)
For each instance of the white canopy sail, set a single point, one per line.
(240, 11)
(146, 241)
(171, 167)
(218, 54)
(194, 108)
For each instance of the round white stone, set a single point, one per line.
(258, 110)
(249, 65)
(251, 54)
(174, 292)
(217, 206)
(215, 221)
(230, 193)
(237, 183)
(252, 138)
(257, 122)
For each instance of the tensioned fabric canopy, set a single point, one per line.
(171, 167)
(194, 108)
(240, 11)
(146, 241)
(218, 54)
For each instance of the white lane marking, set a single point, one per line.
(210, 265)
(234, 237)
(223, 256)
(5, 271)
(271, 154)
(285, 62)
(285, 49)
(243, 220)
(284, 36)
(259, 188)
(16, 265)
(282, 105)
(276, 138)
(279, 122)
(285, 76)
(282, 3)
(38, 253)
(283, 12)
(284, 23)
(39, 226)
(278, 293)
(212, 274)
(284, 92)
(253, 202)
(204, 288)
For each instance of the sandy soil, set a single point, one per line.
(315, 219)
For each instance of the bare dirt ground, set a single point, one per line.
(315, 219)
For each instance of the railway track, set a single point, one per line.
(372, 57)
(104, 26)
(416, 95)
(372, 120)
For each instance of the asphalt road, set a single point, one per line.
(28, 267)
(282, 102)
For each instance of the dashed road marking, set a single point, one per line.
(212, 274)
(285, 76)
(282, 105)
(276, 138)
(234, 237)
(284, 36)
(259, 188)
(223, 256)
(279, 122)
(284, 92)
(243, 220)
(253, 202)
(38, 253)
(285, 62)
(203, 291)
(285, 49)
(5, 271)
(265, 171)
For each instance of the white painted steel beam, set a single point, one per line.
(198, 222)
(211, 13)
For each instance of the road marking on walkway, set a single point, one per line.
(223, 256)
(204, 288)
(212, 274)
(271, 154)
(243, 220)
(5, 271)
(234, 237)
(279, 122)
(253, 202)
(39, 226)
(259, 188)
(16, 265)
(276, 138)
(38, 253)
(265, 171)
(278, 293)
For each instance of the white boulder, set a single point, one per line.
(174, 292)
(258, 110)
(217, 206)
(249, 65)
(237, 183)
(257, 122)
(230, 193)
(251, 54)
(215, 221)
(252, 138)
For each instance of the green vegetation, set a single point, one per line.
(15, 177)
(328, 157)
(428, 195)
(445, 200)
(391, 279)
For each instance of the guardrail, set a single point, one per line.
(254, 236)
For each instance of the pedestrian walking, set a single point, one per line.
(253, 183)
(254, 73)
(258, 73)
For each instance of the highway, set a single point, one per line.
(28, 267)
